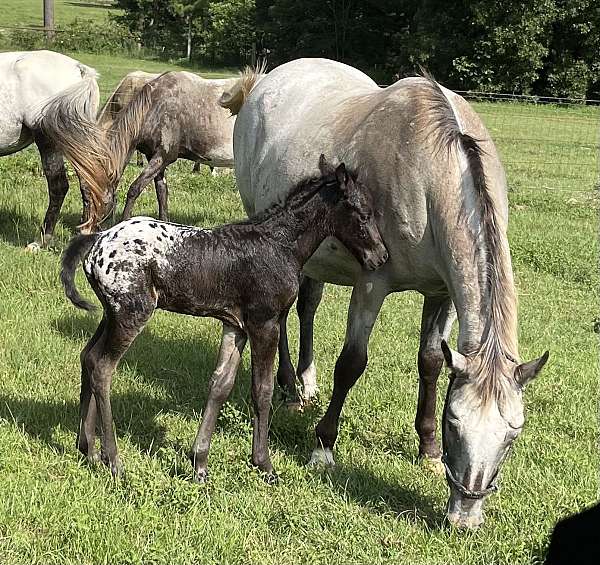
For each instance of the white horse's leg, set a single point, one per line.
(367, 297)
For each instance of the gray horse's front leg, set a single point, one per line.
(436, 323)
(367, 297)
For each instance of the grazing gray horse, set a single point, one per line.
(176, 115)
(440, 202)
(30, 79)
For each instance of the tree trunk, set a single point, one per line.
(189, 38)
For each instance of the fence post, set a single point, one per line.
(49, 19)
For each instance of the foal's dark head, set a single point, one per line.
(353, 221)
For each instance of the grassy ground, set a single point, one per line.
(30, 13)
(380, 505)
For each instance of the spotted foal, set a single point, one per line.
(244, 274)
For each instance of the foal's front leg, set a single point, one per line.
(263, 343)
(221, 383)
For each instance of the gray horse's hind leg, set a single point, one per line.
(162, 196)
(309, 298)
(58, 185)
(367, 298)
(221, 383)
(154, 166)
(286, 376)
(436, 324)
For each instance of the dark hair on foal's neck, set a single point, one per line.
(300, 195)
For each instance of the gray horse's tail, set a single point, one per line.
(77, 249)
(234, 98)
(69, 120)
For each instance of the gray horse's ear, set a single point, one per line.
(526, 372)
(456, 362)
(341, 174)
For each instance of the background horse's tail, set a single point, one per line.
(68, 120)
(77, 249)
(234, 98)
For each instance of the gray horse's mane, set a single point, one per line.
(498, 347)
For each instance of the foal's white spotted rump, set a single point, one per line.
(120, 253)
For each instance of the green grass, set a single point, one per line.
(380, 505)
(30, 13)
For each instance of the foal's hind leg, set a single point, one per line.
(364, 307)
(58, 185)
(86, 436)
(436, 323)
(221, 383)
(162, 195)
(154, 166)
(101, 361)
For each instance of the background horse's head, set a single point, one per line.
(479, 429)
(354, 221)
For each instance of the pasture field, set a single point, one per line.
(379, 505)
(30, 13)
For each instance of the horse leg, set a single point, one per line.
(263, 344)
(366, 301)
(309, 298)
(197, 166)
(286, 377)
(162, 195)
(221, 383)
(101, 361)
(154, 166)
(436, 323)
(58, 185)
(86, 435)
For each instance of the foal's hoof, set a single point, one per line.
(201, 476)
(33, 247)
(271, 477)
(321, 457)
(433, 465)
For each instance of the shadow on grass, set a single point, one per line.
(19, 230)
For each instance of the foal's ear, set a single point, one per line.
(324, 166)
(526, 372)
(342, 175)
(456, 362)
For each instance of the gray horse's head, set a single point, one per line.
(478, 431)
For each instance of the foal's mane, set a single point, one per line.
(498, 344)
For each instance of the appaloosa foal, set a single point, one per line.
(244, 274)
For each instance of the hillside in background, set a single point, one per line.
(30, 13)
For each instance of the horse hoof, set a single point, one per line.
(433, 465)
(201, 476)
(33, 247)
(294, 406)
(271, 478)
(321, 457)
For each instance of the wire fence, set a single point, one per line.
(545, 143)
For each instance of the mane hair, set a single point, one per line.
(498, 343)
(107, 113)
(234, 98)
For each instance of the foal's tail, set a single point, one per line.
(234, 98)
(73, 255)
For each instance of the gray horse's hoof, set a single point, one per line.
(433, 465)
(321, 457)
(33, 247)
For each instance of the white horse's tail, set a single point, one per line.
(234, 98)
(68, 119)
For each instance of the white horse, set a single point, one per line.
(440, 201)
(29, 81)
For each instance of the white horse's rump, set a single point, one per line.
(35, 85)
